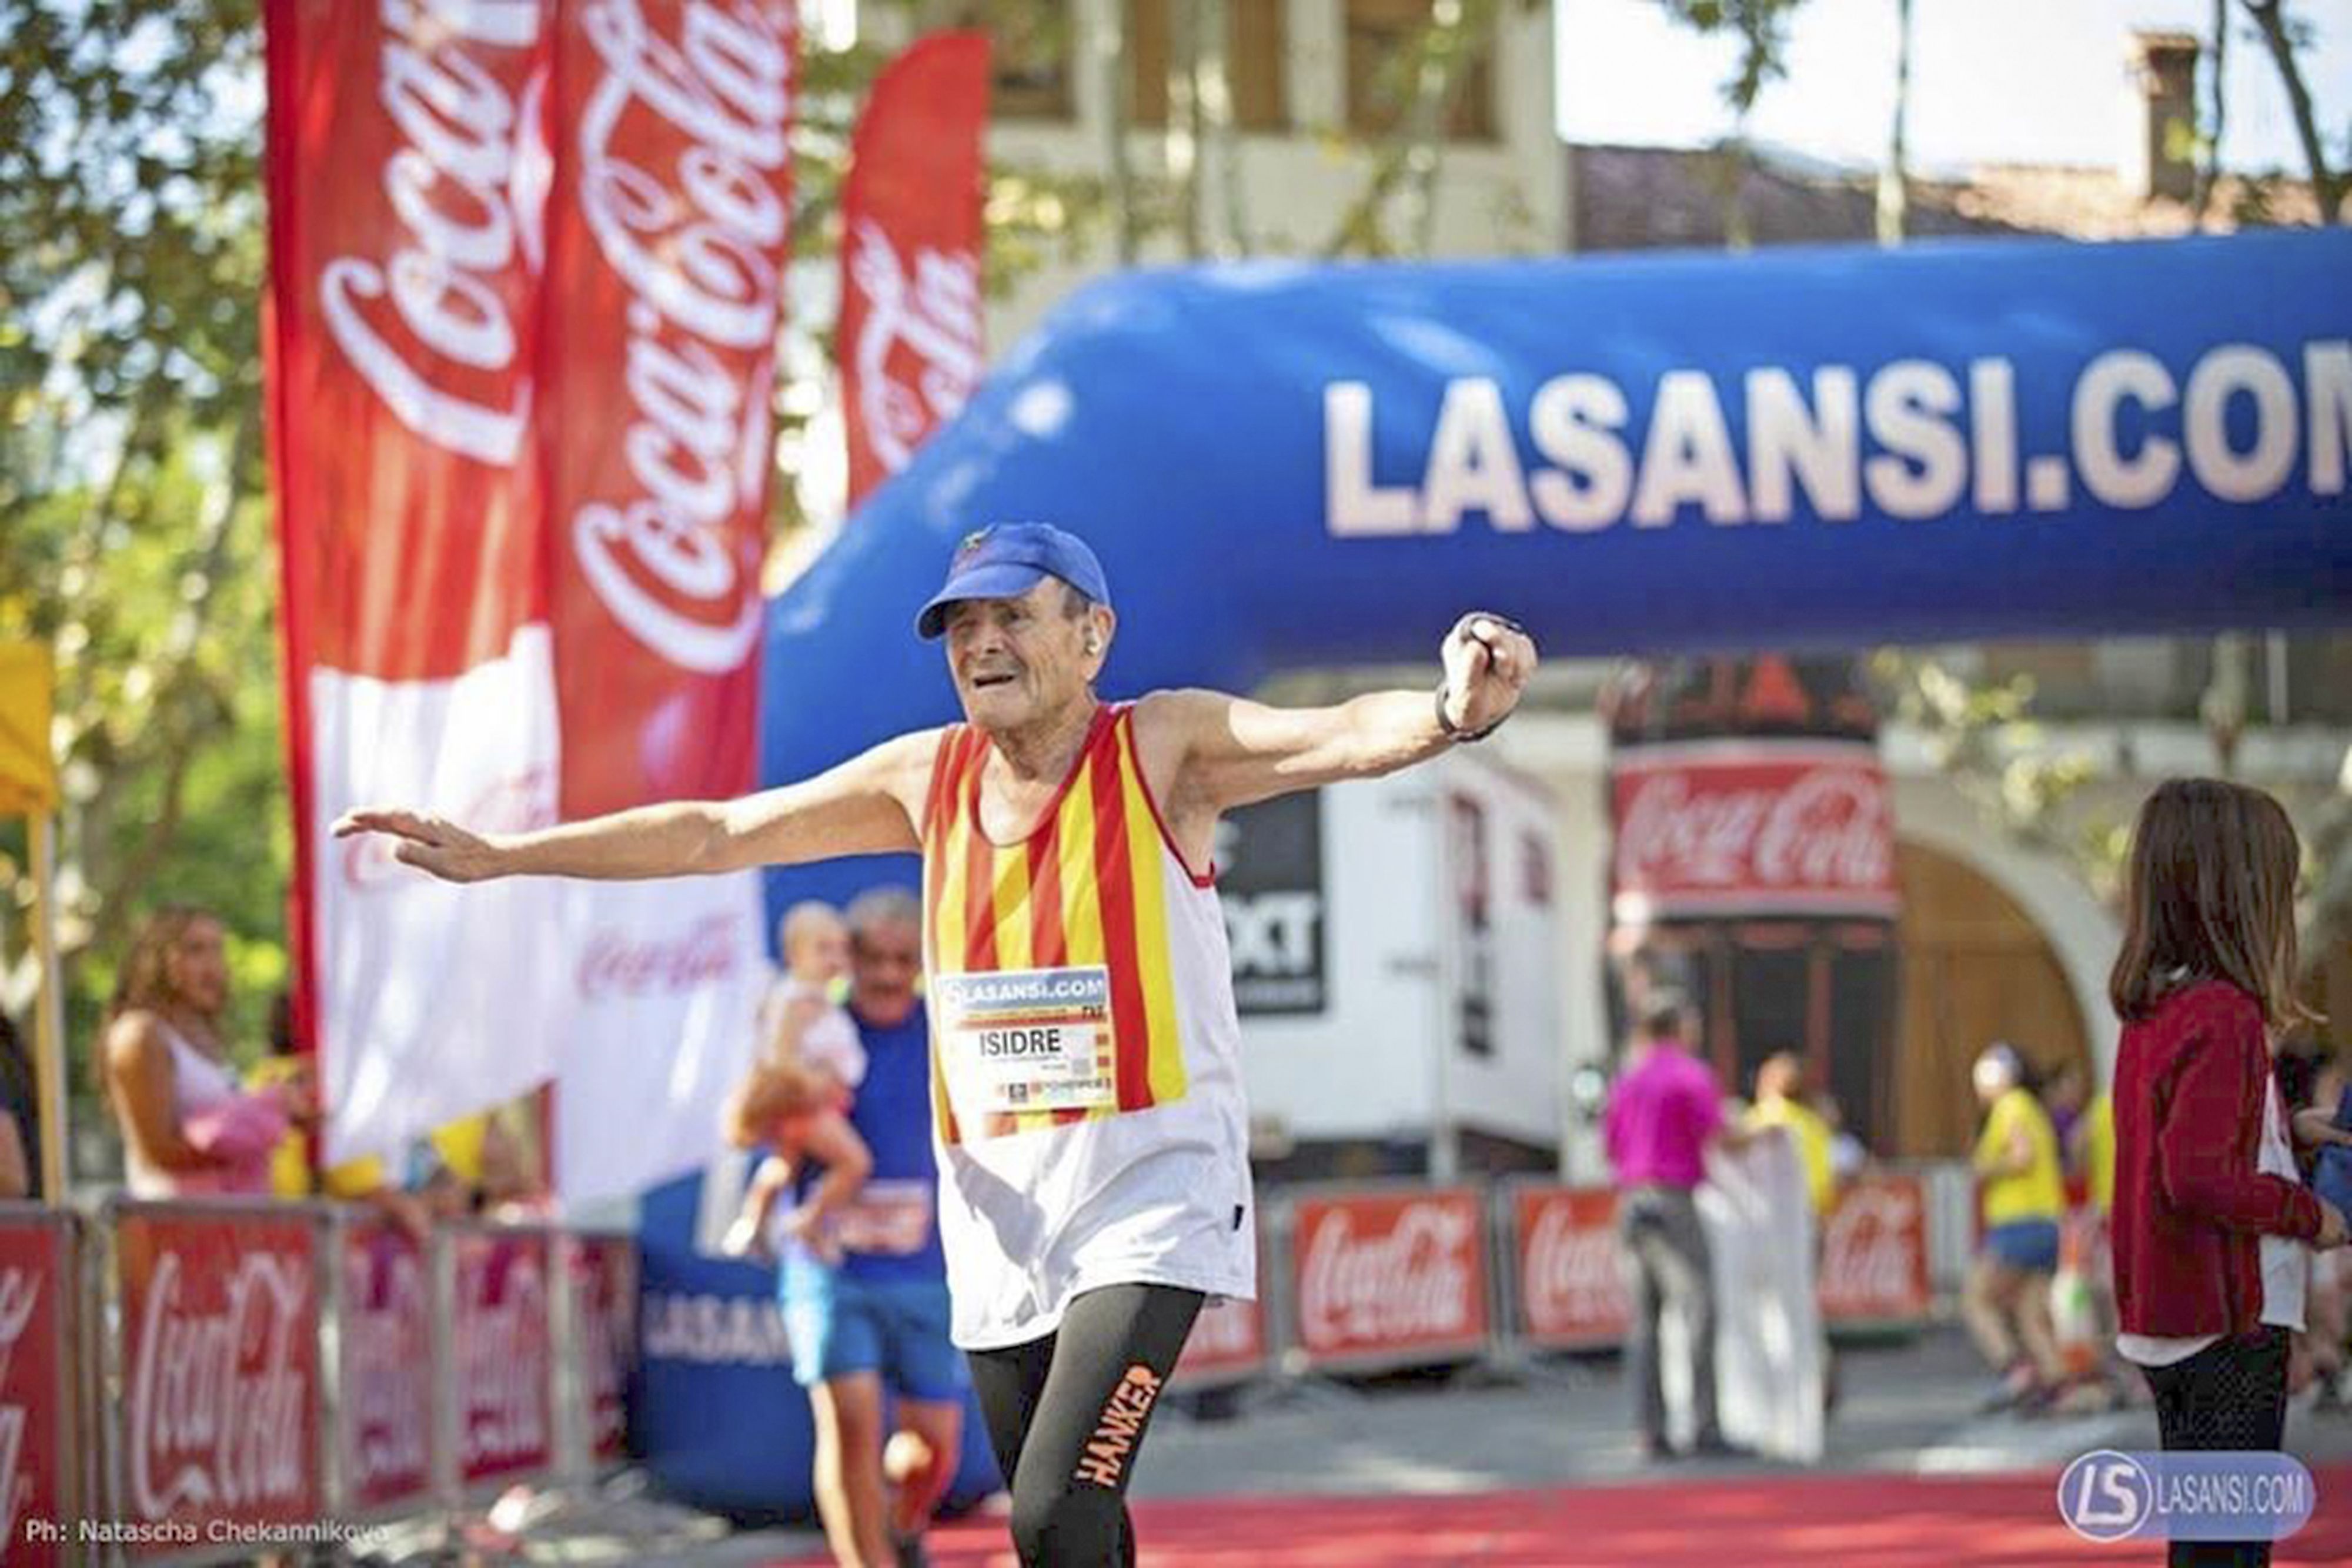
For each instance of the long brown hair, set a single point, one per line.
(145, 980)
(2209, 890)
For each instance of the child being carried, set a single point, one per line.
(797, 1096)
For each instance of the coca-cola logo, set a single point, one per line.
(217, 1400)
(388, 1361)
(617, 963)
(918, 347)
(449, 373)
(1826, 828)
(1412, 1283)
(514, 804)
(1872, 1252)
(20, 1293)
(695, 251)
(1570, 1277)
(502, 1362)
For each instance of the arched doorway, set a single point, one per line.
(1976, 968)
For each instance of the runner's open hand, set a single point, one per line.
(429, 844)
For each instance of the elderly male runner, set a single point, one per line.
(1086, 1089)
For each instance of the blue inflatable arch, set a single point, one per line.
(1284, 464)
(1287, 465)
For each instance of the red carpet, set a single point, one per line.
(1852, 1522)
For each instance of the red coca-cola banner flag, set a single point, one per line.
(220, 1374)
(502, 1358)
(603, 1274)
(1757, 827)
(1388, 1277)
(36, 1280)
(1228, 1346)
(1572, 1291)
(911, 284)
(666, 225)
(405, 180)
(387, 1368)
(1874, 1251)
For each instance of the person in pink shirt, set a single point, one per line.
(1663, 1112)
(189, 1127)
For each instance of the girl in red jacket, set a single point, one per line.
(2212, 1226)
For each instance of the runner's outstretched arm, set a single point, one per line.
(1232, 751)
(868, 805)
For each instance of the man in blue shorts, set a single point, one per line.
(878, 1317)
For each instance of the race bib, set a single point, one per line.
(1026, 1040)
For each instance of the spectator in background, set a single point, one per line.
(873, 1320)
(2092, 1150)
(2006, 1304)
(20, 1117)
(508, 1184)
(2310, 1087)
(188, 1127)
(2212, 1226)
(1847, 1154)
(2064, 1094)
(1779, 1104)
(1664, 1112)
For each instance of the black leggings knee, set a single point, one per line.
(1067, 1412)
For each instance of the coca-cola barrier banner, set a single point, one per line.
(1388, 1275)
(219, 1362)
(36, 1279)
(1570, 1290)
(1231, 1341)
(526, 276)
(1874, 1251)
(1228, 1345)
(1569, 1294)
(603, 1271)
(502, 1360)
(1747, 827)
(386, 1406)
(910, 327)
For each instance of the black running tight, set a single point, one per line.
(1067, 1412)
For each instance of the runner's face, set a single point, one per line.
(1016, 661)
(883, 962)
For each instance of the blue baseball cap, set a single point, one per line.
(1008, 560)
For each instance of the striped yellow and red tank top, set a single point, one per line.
(1075, 918)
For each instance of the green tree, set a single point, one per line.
(132, 535)
(1761, 28)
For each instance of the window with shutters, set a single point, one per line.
(1257, 55)
(1382, 35)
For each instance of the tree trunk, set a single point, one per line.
(1110, 61)
(1220, 143)
(1182, 134)
(1895, 177)
(2270, 16)
(2209, 167)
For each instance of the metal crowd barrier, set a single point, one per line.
(207, 1380)
(199, 1380)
